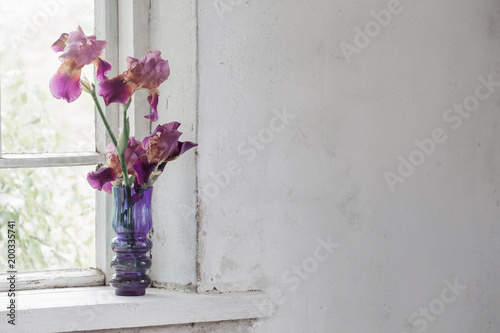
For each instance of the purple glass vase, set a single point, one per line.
(132, 222)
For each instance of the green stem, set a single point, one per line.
(121, 156)
(123, 163)
(103, 117)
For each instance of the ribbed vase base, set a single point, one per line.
(130, 292)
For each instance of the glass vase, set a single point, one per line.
(132, 221)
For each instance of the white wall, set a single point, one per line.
(323, 174)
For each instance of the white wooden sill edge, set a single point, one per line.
(98, 308)
(59, 278)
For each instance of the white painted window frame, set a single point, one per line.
(123, 40)
(131, 38)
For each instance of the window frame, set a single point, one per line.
(129, 38)
(121, 42)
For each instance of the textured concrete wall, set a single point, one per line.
(348, 160)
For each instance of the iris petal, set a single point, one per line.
(130, 151)
(143, 169)
(153, 70)
(167, 143)
(65, 83)
(182, 147)
(116, 90)
(81, 48)
(100, 178)
(108, 187)
(103, 67)
(160, 129)
(153, 102)
(110, 149)
(185, 146)
(173, 126)
(60, 44)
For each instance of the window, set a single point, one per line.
(46, 145)
(97, 308)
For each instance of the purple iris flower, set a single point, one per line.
(78, 50)
(148, 73)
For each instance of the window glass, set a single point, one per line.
(53, 207)
(32, 120)
(54, 213)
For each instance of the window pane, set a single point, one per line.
(32, 120)
(54, 213)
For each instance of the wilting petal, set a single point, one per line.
(160, 129)
(182, 147)
(113, 162)
(173, 126)
(103, 67)
(60, 44)
(153, 101)
(164, 145)
(101, 177)
(154, 70)
(143, 169)
(185, 146)
(116, 90)
(132, 151)
(148, 72)
(65, 83)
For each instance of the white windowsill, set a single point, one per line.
(97, 308)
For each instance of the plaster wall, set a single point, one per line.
(274, 189)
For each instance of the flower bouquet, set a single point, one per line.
(132, 166)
